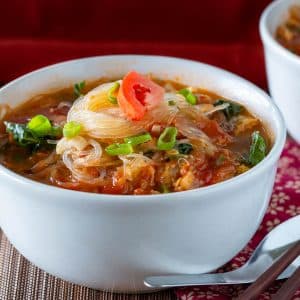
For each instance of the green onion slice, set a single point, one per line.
(112, 91)
(138, 139)
(71, 129)
(119, 149)
(40, 125)
(167, 139)
(189, 96)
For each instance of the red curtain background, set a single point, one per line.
(34, 33)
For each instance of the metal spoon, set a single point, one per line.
(270, 248)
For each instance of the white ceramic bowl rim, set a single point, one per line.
(268, 37)
(270, 159)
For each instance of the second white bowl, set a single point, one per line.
(283, 67)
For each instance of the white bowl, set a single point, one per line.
(283, 66)
(112, 242)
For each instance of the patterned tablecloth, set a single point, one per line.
(20, 280)
(284, 204)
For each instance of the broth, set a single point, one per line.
(215, 138)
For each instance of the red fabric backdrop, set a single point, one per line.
(34, 33)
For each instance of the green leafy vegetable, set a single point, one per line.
(112, 91)
(71, 129)
(40, 125)
(185, 148)
(258, 149)
(189, 96)
(56, 131)
(22, 134)
(78, 87)
(232, 110)
(34, 134)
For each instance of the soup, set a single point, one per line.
(288, 33)
(135, 135)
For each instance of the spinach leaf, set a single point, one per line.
(78, 87)
(21, 134)
(258, 149)
(184, 148)
(232, 110)
(26, 137)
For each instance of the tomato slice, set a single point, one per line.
(138, 94)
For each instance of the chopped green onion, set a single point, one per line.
(40, 125)
(258, 149)
(112, 91)
(119, 149)
(189, 96)
(232, 110)
(138, 139)
(78, 87)
(167, 139)
(185, 148)
(171, 102)
(71, 129)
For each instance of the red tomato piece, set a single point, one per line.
(138, 94)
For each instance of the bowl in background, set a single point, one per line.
(283, 66)
(112, 242)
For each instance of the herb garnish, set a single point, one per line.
(185, 148)
(78, 87)
(258, 149)
(232, 110)
(34, 134)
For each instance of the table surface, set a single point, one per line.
(20, 280)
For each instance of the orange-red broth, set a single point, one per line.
(169, 172)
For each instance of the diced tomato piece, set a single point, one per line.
(138, 94)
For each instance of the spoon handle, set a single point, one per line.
(188, 280)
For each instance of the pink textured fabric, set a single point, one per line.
(284, 204)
